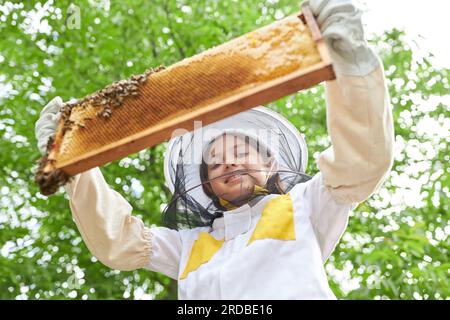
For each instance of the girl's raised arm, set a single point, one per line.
(359, 122)
(359, 117)
(115, 237)
(104, 219)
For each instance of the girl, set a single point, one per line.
(245, 222)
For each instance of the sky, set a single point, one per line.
(429, 19)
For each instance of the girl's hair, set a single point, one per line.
(273, 185)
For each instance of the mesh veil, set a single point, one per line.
(191, 204)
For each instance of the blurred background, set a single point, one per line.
(396, 245)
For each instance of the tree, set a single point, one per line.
(396, 245)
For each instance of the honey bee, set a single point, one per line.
(106, 113)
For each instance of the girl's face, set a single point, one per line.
(228, 154)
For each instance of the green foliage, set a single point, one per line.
(396, 244)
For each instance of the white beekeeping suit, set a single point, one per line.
(273, 248)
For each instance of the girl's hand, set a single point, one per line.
(48, 121)
(341, 26)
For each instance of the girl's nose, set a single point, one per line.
(232, 164)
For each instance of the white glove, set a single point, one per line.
(47, 123)
(46, 126)
(341, 26)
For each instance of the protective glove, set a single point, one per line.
(46, 126)
(47, 123)
(341, 26)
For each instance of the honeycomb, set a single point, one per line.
(165, 94)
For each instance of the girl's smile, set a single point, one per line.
(233, 179)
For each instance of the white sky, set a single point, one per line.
(429, 19)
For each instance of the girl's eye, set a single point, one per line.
(215, 166)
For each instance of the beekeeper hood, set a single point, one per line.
(190, 206)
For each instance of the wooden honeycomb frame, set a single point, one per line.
(262, 93)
